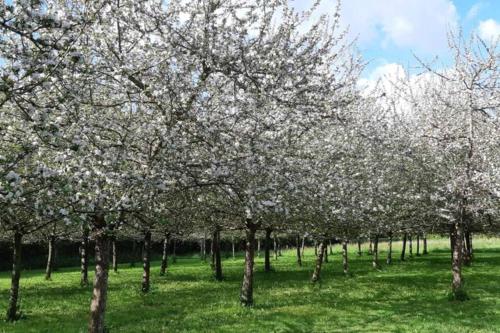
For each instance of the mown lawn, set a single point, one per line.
(404, 297)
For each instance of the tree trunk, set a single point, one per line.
(359, 248)
(331, 247)
(316, 248)
(469, 244)
(114, 254)
(370, 248)
(375, 253)
(217, 257)
(345, 262)
(425, 244)
(50, 258)
(452, 240)
(299, 259)
(275, 248)
(303, 245)
(258, 247)
(84, 258)
(467, 247)
(319, 262)
(246, 295)
(325, 257)
(99, 294)
(456, 266)
(389, 252)
(164, 257)
(232, 243)
(146, 262)
(418, 245)
(279, 248)
(267, 250)
(410, 245)
(12, 313)
(403, 250)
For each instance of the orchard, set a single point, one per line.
(129, 127)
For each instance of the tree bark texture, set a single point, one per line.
(100, 291)
(246, 295)
(12, 309)
(146, 262)
(319, 262)
(50, 257)
(267, 251)
(164, 257)
(403, 249)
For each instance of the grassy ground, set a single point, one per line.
(403, 297)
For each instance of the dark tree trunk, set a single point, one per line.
(217, 257)
(403, 250)
(303, 245)
(267, 250)
(452, 241)
(12, 313)
(84, 258)
(316, 248)
(299, 259)
(370, 248)
(425, 244)
(456, 266)
(345, 262)
(389, 252)
(418, 245)
(471, 247)
(232, 244)
(359, 248)
(246, 295)
(114, 254)
(469, 243)
(375, 252)
(164, 257)
(319, 262)
(99, 294)
(279, 247)
(410, 246)
(146, 262)
(331, 247)
(275, 248)
(467, 247)
(258, 247)
(203, 249)
(325, 257)
(50, 258)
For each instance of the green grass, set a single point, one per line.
(404, 297)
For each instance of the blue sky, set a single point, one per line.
(391, 31)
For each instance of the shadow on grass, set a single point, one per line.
(404, 296)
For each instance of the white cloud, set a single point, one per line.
(421, 25)
(473, 11)
(387, 75)
(489, 30)
(388, 71)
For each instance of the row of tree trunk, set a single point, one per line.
(460, 240)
